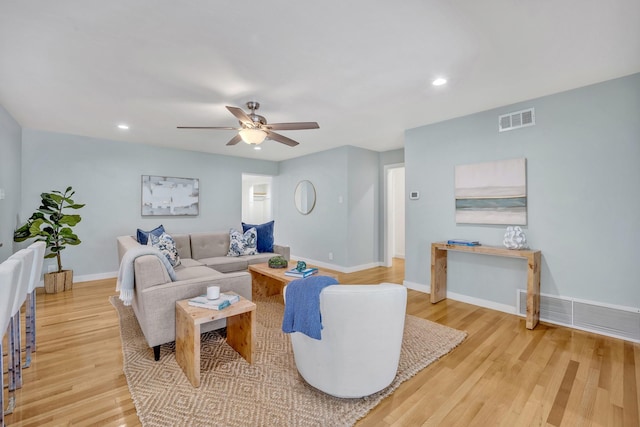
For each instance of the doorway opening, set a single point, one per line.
(257, 200)
(394, 229)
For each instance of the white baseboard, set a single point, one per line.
(335, 267)
(417, 286)
(89, 277)
(464, 298)
(97, 276)
(505, 308)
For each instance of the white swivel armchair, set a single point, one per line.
(362, 331)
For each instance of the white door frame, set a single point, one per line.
(387, 246)
(257, 178)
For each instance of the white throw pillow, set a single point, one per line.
(167, 246)
(243, 244)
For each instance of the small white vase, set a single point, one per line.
(514, 238)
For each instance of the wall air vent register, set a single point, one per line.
(606, 319)
(516, 120)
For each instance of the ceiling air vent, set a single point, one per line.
(516, 120)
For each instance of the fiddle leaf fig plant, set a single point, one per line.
(50, 224)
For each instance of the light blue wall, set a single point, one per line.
(363, 207)
(10, 180)
(583, 178)
(323, 230)
(106, 176)
(344, 221)
(391, 157)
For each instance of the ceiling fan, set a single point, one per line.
(254, 128)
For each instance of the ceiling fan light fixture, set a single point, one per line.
(253, 136)
(254, 130)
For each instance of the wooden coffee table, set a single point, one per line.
(267, 281)
(241, 322)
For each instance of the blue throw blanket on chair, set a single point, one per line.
(125, 280)
(302, 307)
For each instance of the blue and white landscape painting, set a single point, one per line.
(492, 193)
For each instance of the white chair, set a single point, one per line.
(15, 365)
(38, 249)
(362, 331)
(9, 279)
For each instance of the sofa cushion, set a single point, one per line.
(243, 244)
(196, 273)
(183, 244)
(226, 264)
(188, 262)
(208, 245)
(167, 246)
(143, 236)
(259, 258)
(265, 235)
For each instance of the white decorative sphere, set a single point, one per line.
(514, 238)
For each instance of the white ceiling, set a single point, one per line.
(361, 69)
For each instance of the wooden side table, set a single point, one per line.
(241, 321)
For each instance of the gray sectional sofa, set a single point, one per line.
(204, 262)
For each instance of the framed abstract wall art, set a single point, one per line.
(492, 193)
(169, 196)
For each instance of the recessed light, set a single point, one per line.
(123, 126)
(439, 81)
(257, 148)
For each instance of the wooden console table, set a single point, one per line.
(533, 257)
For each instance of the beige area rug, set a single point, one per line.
(268, 393)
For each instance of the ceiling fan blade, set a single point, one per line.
(293, 126)
(234, 140)
(240, 115)
(281, 138)
(206, 127)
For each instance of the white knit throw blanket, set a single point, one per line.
(126, 273)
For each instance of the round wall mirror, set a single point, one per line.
(305, 197)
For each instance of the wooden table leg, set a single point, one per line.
(533, 290)
(188, 346)
(240, 333)
(265, 286)
(438, 274)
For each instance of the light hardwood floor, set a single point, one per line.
(502, 374)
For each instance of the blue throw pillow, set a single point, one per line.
(143, 236)
(265, 235)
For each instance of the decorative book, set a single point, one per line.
(225, 300)
(463, 242)
(301, 274)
